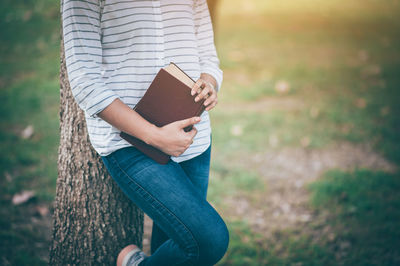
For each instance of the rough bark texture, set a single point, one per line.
(93, 219)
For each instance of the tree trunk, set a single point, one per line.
(93, 219)
(212, 7)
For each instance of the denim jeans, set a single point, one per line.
(187, 230)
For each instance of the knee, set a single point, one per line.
(213, 244)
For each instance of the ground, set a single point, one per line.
(286, 173)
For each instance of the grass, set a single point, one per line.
(340, 62)
(364, 209)
(29, 93)
(232, 180)
(248, 248)
(363, 212)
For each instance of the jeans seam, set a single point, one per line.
(155, 199)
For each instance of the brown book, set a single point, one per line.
(167, 100)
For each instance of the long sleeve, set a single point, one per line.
(83, 54)
(209, 61)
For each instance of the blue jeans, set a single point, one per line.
(187, 230)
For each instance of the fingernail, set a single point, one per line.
(196, 99)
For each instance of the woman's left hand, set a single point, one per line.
(205, 88)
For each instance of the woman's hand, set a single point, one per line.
(205, 88)
(172, 139)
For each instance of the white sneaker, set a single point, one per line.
(132, 257)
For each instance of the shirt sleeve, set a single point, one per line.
(83, 55)
(209, 61)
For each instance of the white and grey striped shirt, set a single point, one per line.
(114, 49)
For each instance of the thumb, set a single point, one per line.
(189, 121)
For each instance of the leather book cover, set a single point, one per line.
(167, 100)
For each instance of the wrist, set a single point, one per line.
(152, 136)
(210, 85)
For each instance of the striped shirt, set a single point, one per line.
(114, 49)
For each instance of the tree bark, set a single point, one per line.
(93, 219)
(212, 7)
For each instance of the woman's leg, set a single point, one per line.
(197, 169)
(198, 235)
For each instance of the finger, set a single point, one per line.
(189, 121)
(210, 99)
(202, 95)
(212, 105)
(197, 87)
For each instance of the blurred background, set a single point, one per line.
(306, 135)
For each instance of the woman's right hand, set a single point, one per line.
(172, 139)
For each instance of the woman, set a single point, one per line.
(113, 50)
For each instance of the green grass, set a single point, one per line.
(29, 93)
(364, 208)
(363, 212)
(248, 248)
(232, 180)
(333, 55)
(340, 58)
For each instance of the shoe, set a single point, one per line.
(130, 255)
